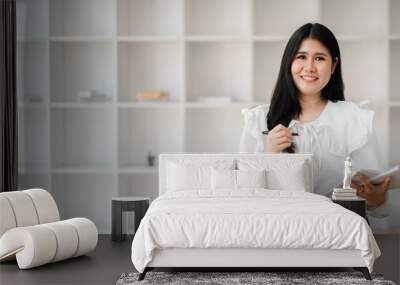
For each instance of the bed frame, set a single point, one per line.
(240, 259)
(246, 259)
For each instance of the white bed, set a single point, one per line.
(196, 223)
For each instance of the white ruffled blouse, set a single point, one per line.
(342, 129)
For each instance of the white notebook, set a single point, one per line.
(377, 177)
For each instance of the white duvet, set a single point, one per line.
(252, 218)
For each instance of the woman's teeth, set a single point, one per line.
(309, 78)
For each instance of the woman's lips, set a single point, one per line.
(308, 78)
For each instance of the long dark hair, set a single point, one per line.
(285, 103)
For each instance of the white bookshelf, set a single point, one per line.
(88, 152)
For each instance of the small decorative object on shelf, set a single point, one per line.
(92, 96)
(150, 159)
(214, 99)
(152, 96)
(346, 192)
(347, 174)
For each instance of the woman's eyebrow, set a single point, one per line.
(317, 53)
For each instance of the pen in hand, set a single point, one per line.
(293, 134)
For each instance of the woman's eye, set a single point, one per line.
(320, 58)
(300, 57)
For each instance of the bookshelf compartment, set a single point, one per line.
(267, 60)
(394, 67)
(268, 16)
(218, 18)
(358, 60)
(32, 20)
(148, 130)
(77, 67)
(394, 20)
(82, 138)
(150, 67)
(86, 18)
(218, 69)
(27, 180)
(33, 142)
(85, 195)
(369, 15)
(32, 85)
(150, 17)
(213, 130)
(139, 185)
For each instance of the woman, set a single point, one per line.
(308, 101)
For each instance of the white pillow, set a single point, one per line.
(187, 177)
(293, 179)
(288, 174)
(223, 179)
(251, 178)
(237, 179)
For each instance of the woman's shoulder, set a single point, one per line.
(350, 107)
(349, 120)
(254, 119)
(346, 112)
(256, 111)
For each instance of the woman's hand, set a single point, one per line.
(278, 139)
(375, 194)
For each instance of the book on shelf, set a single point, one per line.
(150, 96)
(92, 96)
(214, 99)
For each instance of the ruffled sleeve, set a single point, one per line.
(362, 128)
(252, 139)
(350, 128)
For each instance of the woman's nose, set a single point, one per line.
(310, 65)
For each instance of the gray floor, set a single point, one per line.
(102, 266)
(111, 259)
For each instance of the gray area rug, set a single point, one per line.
(225, 278)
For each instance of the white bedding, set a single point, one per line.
(251, 218)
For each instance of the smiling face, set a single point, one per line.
(312, 68)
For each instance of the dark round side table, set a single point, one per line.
(139, 205)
